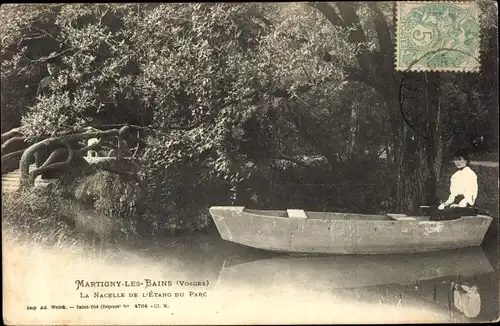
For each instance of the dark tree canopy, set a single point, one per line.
(212, 87)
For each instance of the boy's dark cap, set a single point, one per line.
(461, 153)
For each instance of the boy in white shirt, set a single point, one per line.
(463, 191)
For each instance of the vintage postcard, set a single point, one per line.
(250, 163)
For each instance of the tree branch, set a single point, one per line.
(291, 159)
(11, 133)
(119, 125)
(102, 16)
(382, 30)
(328, 11)
(13, 154)
(138, 138)
(358, 75)
(11, 141)
(29, 39)
(45, 167)
(106, 144)
(52, 157)
(65, 139)
(386, 45)
(44, 59)
(351, 21)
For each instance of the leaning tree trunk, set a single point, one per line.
(61, 145)
(13, 146)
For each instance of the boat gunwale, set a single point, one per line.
(461, 218)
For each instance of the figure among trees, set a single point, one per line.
(53, 65)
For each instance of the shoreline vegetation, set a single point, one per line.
(149, 114)
(89, 214)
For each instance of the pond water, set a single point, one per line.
(241, 285)
(448, 286)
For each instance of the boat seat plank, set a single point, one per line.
(402, 217)
(296, 213)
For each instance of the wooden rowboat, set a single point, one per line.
(298, 231)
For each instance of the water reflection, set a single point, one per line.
(456, 286)
(460, 282)
(251, 286)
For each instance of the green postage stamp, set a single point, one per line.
(437, 36)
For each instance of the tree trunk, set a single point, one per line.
(489, 86)
(431, 138)
(413, 174)
(415, 157)
(400, 149)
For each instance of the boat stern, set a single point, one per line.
(220, 214)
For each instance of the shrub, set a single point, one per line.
(148, 207)
(38, 216)
(109, 194)
(179, 200)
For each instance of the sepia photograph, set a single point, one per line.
(249, 163)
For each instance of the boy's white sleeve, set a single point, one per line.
(453, 192)
(471, 190)
(472, 195)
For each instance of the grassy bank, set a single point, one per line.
(43, 218)
(35, 216)
(46, 218)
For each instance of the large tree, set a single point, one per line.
(418, 135)
(219, 85)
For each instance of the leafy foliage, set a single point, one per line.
(22, 42)
(225, 86)
(109, 194)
